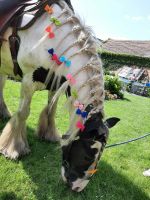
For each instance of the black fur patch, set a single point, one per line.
(77, 157)
(40, 74)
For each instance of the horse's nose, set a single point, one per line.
(76, 189)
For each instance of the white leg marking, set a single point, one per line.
(13, 142)
(46, 127)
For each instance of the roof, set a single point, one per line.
(130, 47)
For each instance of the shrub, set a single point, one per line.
(148, 92)
(128, 87)
(113, 86)
(106, 72)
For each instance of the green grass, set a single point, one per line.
(37, 176)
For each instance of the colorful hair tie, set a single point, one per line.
(83, 114)
(79, 105)
(51, 51)
(50, 31)
(71, 79)
(76, 104)
(48, 9)
(64, 59)
(74, 93)
(54, 56)
(93, 171)
(55, 21)
(80, 126)
(78, 112)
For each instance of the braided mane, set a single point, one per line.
(93, 68)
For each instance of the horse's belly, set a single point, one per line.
(6, 59)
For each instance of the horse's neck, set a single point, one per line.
(59, 44)
(37, 47)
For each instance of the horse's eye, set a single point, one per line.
(87, 158)
(73, 177)
(65, 163)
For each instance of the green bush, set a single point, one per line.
(128, 87)
(113, 85)
(148, 92)
(106, 72)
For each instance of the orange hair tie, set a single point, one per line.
(93, 171)
(48, 9)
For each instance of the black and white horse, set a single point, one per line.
(58, 53)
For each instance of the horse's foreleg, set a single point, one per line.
(4, 112)
(46, 126)
(13, 141)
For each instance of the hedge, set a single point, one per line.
(117, 60)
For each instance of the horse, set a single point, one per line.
(58, 53)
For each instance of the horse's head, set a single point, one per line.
(80, 157)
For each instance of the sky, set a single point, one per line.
(116, 19)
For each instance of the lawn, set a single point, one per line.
(37, 176)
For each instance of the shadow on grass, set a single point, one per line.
(126, 99)
(2, 124)
(43, 166)
(8, 196)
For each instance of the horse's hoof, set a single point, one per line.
(53, 138)
(14, 154)
(49, 137)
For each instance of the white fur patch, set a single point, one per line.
(63, 174)
(96, 145)
(26, 19)
(79, 185)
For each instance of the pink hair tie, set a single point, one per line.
(76, 104)
(71, 79)
(79, 105)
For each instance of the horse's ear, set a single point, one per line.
(110, 122)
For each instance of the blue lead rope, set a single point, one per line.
(128, 141)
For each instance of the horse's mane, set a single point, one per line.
(88, 43)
